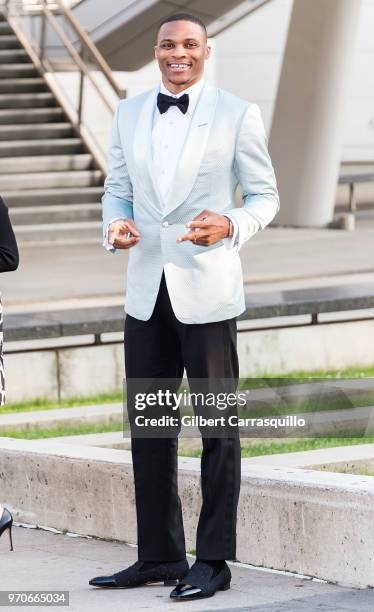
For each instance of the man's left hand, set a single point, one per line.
(207, 228)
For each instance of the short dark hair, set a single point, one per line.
(184, 17)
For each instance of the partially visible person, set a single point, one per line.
(8, 262)
(8, 246)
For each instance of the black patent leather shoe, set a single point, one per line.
(140, 573)
(203, 580)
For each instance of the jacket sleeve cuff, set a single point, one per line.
(106, 244)
(232, 241)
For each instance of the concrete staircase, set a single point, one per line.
(48, 178)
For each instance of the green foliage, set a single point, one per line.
(43, 404)
(257, 449)
(54, 432)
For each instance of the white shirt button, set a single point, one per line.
(165, 224)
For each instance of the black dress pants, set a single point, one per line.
(161, 348)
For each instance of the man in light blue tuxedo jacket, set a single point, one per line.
(225, 145)
(176, 157)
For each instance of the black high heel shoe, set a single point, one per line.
(6, 522)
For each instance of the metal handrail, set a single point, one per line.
(48, 11)
(79, 61)
(89, 48)
(88, 44)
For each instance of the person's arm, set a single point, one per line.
(9, 257)
(117, 199)
(256, 176)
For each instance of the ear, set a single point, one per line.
(208, 52)
(155, 48)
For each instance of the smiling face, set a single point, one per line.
(181, 52)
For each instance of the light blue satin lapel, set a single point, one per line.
(194, 148)
(143, 150)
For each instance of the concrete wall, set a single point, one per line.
(64, 373)
(249, 55)
(248, 62)
(288, 519)
(87, 371)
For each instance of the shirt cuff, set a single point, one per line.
(232, 242)
(106, 244)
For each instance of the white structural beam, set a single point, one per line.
(306, 134)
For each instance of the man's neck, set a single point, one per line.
(176, 89)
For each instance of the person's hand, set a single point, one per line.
(117, 234)
(207, 228)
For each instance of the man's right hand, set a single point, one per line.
(118, 231)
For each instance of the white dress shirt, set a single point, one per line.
(168, 136)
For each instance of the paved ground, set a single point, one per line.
(73, 275)
(43, 560)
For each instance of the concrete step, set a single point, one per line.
(18, 70)
(64, 195)
(5, 28)
(52, 146)
(39, 131)
(33, 115)
(13, 56)
(27, 100)
(45, 163)
(9, 41)
(79, 178)
(84, 232)
(55, 214)
(22, 85)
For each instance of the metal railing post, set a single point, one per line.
(96, 56)
(352, 198)
(43, 31)
(81, 88)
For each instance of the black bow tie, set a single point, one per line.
(164, 102)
